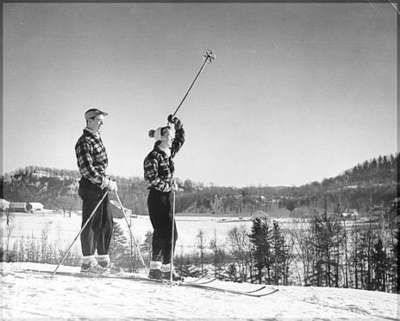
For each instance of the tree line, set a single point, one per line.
(363, 187)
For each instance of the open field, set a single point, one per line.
(60, 229)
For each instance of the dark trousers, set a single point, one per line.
(159, 206)
(97, 234)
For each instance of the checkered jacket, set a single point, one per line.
(159, 168)
(92, 158)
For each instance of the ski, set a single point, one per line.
(202, 285)
(201, 281)
(256, 290)
(106, 275)
(230, 291)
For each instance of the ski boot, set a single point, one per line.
(155, 272)
(92, 268)
(168, 274)
(175, 277)
(104, 262)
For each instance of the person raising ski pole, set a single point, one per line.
(94, 184)
(158, 173)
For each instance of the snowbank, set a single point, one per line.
(33, 296)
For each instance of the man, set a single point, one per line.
(92, 162)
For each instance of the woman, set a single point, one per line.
(158, 173)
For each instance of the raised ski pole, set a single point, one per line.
(209, 56)
(130, 231)
(172, 235)
(80, 232)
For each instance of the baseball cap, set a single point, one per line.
(93, 112)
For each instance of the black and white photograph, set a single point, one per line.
(206, 160)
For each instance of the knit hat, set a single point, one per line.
(157, 133)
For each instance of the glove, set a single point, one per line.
(174, 186)
(174, 120)
(112, 185)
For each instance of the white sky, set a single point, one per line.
(298, 92)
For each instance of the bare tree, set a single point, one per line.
(240, 245)
(201, 247)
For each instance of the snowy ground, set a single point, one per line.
(32, 296)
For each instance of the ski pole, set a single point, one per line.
(80, 232)
(173, 235)
(130, 231)
(209, 56)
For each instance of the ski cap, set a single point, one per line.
(93, 112)
(157, 133)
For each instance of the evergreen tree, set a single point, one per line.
(232, 272)
(327, 242)
(147, 244)
(380, 265)
(119, 249)
(363, 254)
(280, 256)
(260, 237)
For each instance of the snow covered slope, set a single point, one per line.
(30, 296)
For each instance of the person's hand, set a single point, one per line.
(174, 186)
(176, 121)
(112, 186)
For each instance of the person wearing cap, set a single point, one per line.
(92, 162)
(158, 173)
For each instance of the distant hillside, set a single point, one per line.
(58, 188)
(367, 186)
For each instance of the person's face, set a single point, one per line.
(96, 122)
(167, 137)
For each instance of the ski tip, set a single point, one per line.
(267, 293)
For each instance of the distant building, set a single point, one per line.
(273, 203)
(40, 173)
(34, 206)
(4, 205)
(350, 212)
(18, 207)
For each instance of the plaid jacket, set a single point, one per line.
(159, 168)
(92, 158)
